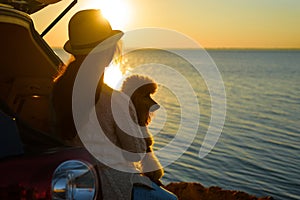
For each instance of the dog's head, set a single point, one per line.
(140, 89)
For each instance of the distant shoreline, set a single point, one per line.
(227, 48)
(255, 49)
(241, 49)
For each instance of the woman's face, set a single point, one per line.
(100, 59)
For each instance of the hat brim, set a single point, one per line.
(105, 44)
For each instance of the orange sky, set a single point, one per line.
(213, 23)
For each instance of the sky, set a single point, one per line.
(212, 23)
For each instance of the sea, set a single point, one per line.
(255, 146)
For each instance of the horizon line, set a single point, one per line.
(221, 48)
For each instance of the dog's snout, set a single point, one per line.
(154, 107)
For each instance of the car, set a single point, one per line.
(35, 163)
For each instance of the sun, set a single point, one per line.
(117, 12)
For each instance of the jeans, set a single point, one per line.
(141, 192)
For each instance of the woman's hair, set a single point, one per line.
(62, 100)
(61, 69)
(118, 53)
(117, 58)
(62, 93)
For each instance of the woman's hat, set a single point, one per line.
(88, 29)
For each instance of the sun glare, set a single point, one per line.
(117, 12)
(113, 76)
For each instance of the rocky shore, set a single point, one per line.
(196, 191)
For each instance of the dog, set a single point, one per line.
(140, 88)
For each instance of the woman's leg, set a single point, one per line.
(141, 192)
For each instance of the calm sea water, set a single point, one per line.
(259, 149)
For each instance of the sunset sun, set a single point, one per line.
(117, 12)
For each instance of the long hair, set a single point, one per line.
(62, 94)
(62, 99)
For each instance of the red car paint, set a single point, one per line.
(29, 176)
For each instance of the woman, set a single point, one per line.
(90, 34)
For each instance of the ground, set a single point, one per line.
(196, 191)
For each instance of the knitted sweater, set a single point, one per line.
(117, 142)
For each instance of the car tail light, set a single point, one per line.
(73, 180)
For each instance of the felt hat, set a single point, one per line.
(89, 30)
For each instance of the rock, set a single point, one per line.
(196, 191)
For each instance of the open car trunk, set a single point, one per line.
(28, 6)
(27, 67)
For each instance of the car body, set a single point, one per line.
(34, 163)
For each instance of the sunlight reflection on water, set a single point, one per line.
(258, 151)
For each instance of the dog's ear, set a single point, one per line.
(149, 142)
